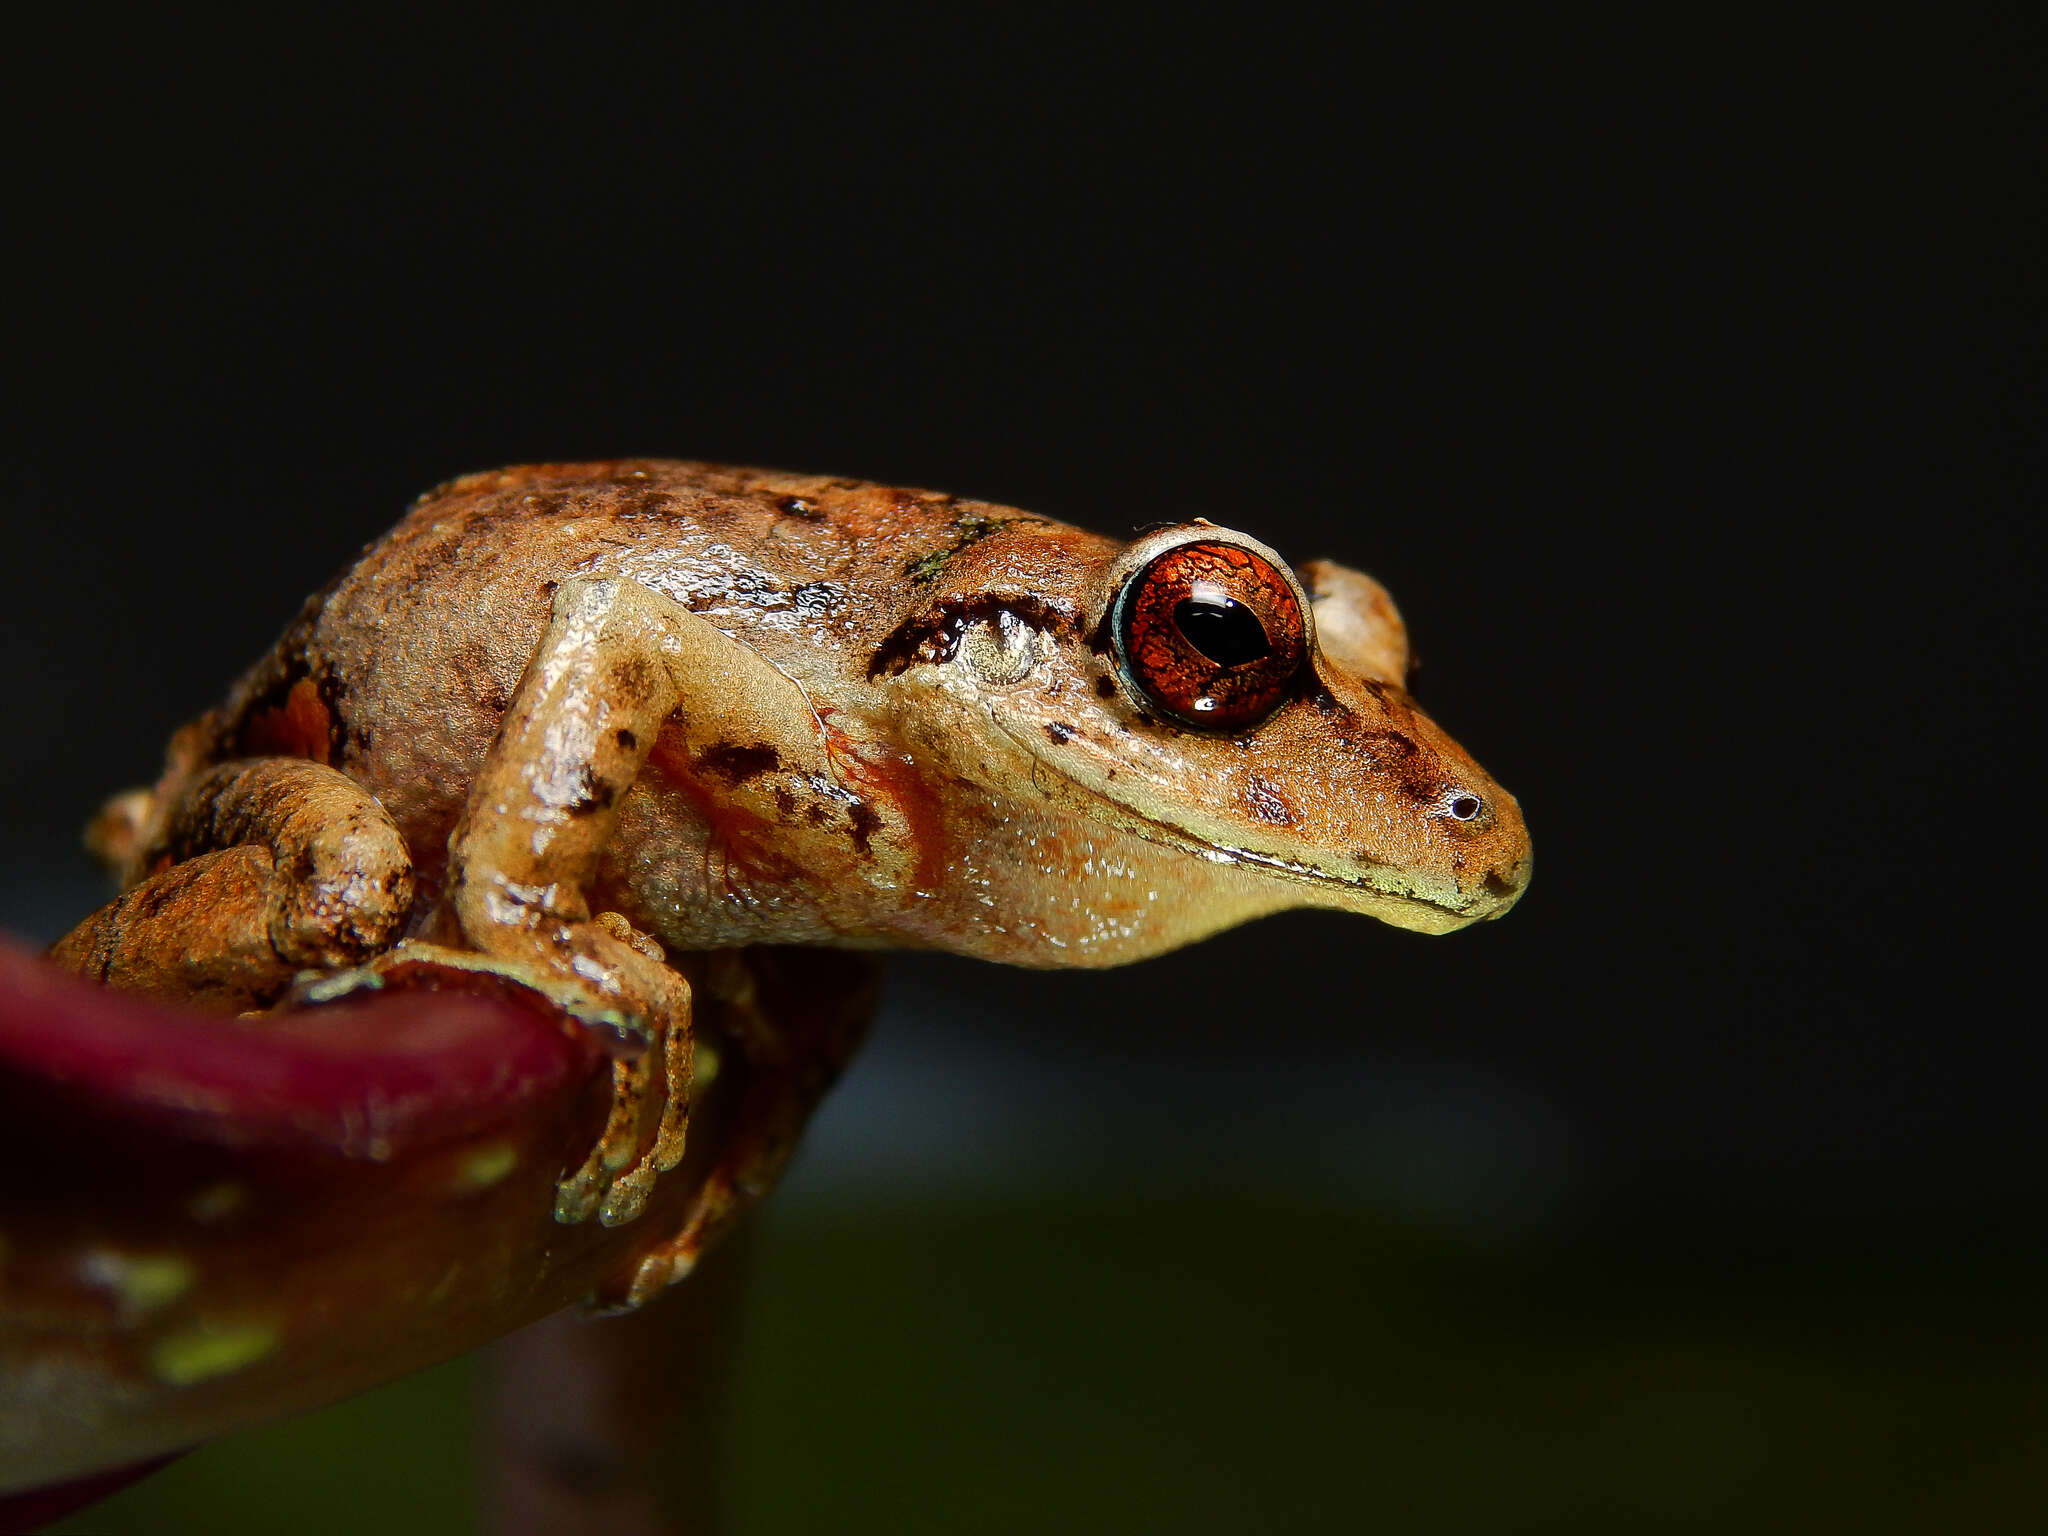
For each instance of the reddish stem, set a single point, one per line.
(613, 1426)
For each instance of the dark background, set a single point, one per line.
(1683, 387)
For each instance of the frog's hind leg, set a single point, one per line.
(255, 871)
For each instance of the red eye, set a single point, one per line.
(1211, 633)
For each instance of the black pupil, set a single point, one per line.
(1222, 629)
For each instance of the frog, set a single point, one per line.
(598, 730)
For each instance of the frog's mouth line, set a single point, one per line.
(1286, 869)
(1169, 836)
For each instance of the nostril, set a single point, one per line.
(1498, 884)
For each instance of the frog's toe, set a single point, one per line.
(576, 1197)
(620, 1172)
(627, 1197)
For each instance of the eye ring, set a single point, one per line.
(1209, 628)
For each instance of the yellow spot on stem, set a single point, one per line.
(142, 1282)
(703, 1069)
(488, 1164)
(180, 1359)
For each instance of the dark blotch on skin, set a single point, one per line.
(1325, 702)
(152, 898)
(934, 635)
(643, 504)
(1265, 802)
(628, 741)
(1060, 734)
(1417, 773)
(1389, 743)
(817, 598)
(1394, 700)
(592, 794)
(866, 822)
(736, 764)
(636, 677)
(1105, 687)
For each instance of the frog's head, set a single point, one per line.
(1193, 689)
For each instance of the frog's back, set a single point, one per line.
(400, 670)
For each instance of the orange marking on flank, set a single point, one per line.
(300, 727)
(902, 787)
(744, 838)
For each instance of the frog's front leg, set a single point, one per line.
(795, 1035)
(616, 661)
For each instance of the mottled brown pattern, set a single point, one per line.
(426, 638)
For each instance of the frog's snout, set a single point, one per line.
(1502, 888)
(1504, 840)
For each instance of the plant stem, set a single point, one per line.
(613, 1426)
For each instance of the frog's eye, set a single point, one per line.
(1211, 632)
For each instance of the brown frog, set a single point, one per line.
(595, 728)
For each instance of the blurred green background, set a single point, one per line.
(1235, 1364)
